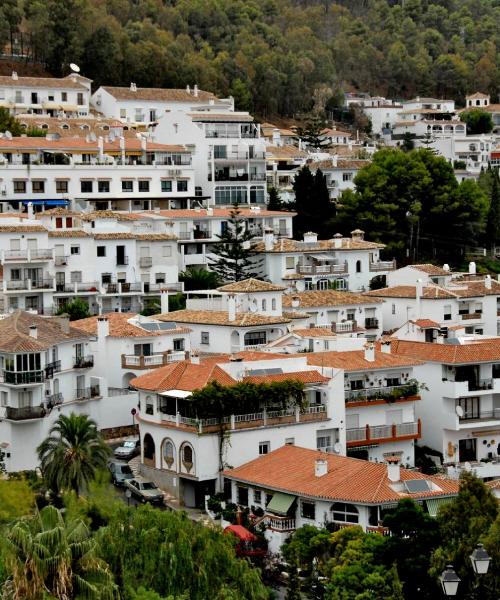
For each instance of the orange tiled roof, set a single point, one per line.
(65, 83)
(286, 245)
(251, 285)
(291, 469)
(68, 233)
(214, 213)
(303, 376)
(430, 292)
(430, 269)
(313, 298)
(485, 351)
(220, 317)
(287, 152)
(354, 360)
(313, 332)
(426, 324)
(119, 326)
(80, 143)
(183, 375)
(159, 94)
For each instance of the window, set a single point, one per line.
(38, 186)
(127, 185)
(273, 304)
(357, 384)
(470, 407)
(290, 262)
(257, 494)
(220, 152)
(166, 185)
(143, 185)
(393, 381)
(75, 250)
(264, 305)
(86, 187)
(160, 278)
(61, 186)
(205, 337)
(187, 455)
(182, 185)
(166, 251)
(123, 113)
(103, 187)
(345, 513)
(168, 452)
(69, 222)
(64, 96)
(447, 312)
(179, 344)
(393, 309)
(149, 405)
(358, 266)
(4, 399)
(76, 276)
(307, 510)
(256, 195)
(264, 447)
(242, 495)
(13, 303)
(255, 338)
(101, 251)
(19, 187)
(289, 441)
(346, 176)
(79, 98)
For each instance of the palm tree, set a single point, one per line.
(46, 557)
(72, 453)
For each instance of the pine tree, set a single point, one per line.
(236, 257)
(312, 132)
(312, 204)
(275, 202)
(493, 219)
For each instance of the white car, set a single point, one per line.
(144, 490)
(128, 449)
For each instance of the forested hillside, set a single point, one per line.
(274, 56)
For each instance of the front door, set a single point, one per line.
(467, 450)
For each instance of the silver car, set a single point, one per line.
(144, 490)
(128, 449)
(120, 472)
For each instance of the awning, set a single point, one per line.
(181, 394)
(46, 202)
(433, 504)
(323, 256)
(69, 107)
(280, 503)
(51, 105)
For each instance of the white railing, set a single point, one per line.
(280, 523)
(344, 327)
(132, 360)
(406, 428)
(380, 431)
(315, 409)
(356, 435)
(249, 417)
(176, 356)
(383, 265)
(188, 421)
(276, 414)
(153, 359)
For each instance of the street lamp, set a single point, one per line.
(480, 560)
(449, 581)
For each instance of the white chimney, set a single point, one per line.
(276, 137)
(334, 160)
(14, 75)
(446, 267)
(163, 302)
(63, 321)
(393, 469)
(320, 467)
(472, 268)
(31, 213)
(188, 89)
(195, 358)
(133, 87)
(268, 240)
(370, 352)
(419, 290)
(231, 308)
(337, 240)
(385, 347)
(295, 302)
(33, 331)
(102, 328)
(358, 234)
(310, 237)
(195, 91)
(487, 282)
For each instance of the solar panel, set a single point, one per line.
(153, 326)
(414, 486)
(260, 372)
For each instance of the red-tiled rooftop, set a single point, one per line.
(183, 375)
(355, 360)
(484, 351)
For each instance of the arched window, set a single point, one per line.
(64, 126)
(358, 266)
(273, 303)
(264, 305)
(149, 409)
(44, 126)
(345, 513)
(187, 457)
(168, 453)
(149, 447)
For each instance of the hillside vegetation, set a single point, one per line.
(275, 56)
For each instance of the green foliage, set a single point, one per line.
(275, 202)
(311, 132)
(16, 499)
(76, 309)
(236, 257)
(312, 204)
(493, 218)
(408, 143)
(72, 454)
(176, 302)
(478, 121)
(9, 123)
(199, 279)
(196, 561)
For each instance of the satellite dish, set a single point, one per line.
(460, 411)
(74, 67)
(468, 466)
(8, 135)
(337, 448)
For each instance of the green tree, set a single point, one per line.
(274, 202)
(48, 558)
(493, 218)
(16, 499)
(312, 204)
(76, 309)
(408, 143)
(236, 258)
(100, 56)
(478, 121)
(199, 279)
(9, 123)
(72, 454)
(312, 132)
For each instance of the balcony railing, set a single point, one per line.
(383, 433)
(202, 234)
(28, 255)
(328, 269)
(131, 361)
(54, 400)
(23, 377)
(40, 254)
(344, 327)
(470, 316)
(83, 362)
(481, 415)
(77, 288)
(85, 393)
(371, 323)
(280, 523)
(145, 261)
(388, 393)
(28, 284)
(24, 413)
(51, 368)
(61, 261)
(383, 265)
(121, 261)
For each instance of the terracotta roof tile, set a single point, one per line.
(159, 94)
(286, 245)
(427, 324)
(484, 351)
(213, 317)
(430, 292)
(314, 298)
(119, 326)
(293, 314)
(251, 285)
(214, 213)
(291, 469)
(65, 83)
(77, 144)
(330, 164)
(303, 376)
(313, 332)
(354, 360)
(288, 152)
(22, 229)
(68, 233)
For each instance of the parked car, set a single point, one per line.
(120, 472)
(128, 449)
(144, 490)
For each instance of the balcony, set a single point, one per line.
(383, 394)
(330, 269)
(54, 400)
(51, 368)
(28, 284)
(383, 265)
(85, 393)
(77, 288)
(23, 377)
(371, 323)
(383, 433)
(457, 389)
(344, 327)
(83, 362)
(480, 415)
(25, 413)
(202, 234)
(131, 361)
(471, 316)
(145, 261)
(276, 523)
(30, 255)
(61, 261)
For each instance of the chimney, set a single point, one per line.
(419, 290)
(102, 328)
(385, 346)
(358, 234)
(310, 237)
(195, 91)
(63, 321)
(188, 89)
(446, 267)
(320, 467)
(295, 302)
(195, 358)
(33, 331)
(487, 282)
(31, 214)
(163, 302)
(268, 239)
(393, 468)
(133, 87)
(334, 160)
(370, 352)
(337, 240)
(276, 137)
(472, 268)
(14, 75)
(231, 308)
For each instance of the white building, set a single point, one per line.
(300, 486)
(348, 263)
(339, 173)
(66, 97)
(47, 370)
(460, 406)
(186, 454)
(283, 163)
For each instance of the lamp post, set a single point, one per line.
(480, 560)
(449, 581)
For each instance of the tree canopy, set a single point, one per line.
(477, 120)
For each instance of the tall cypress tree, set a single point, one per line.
(275, 202)
(312, 204)
(236, 257)
(493, 219)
